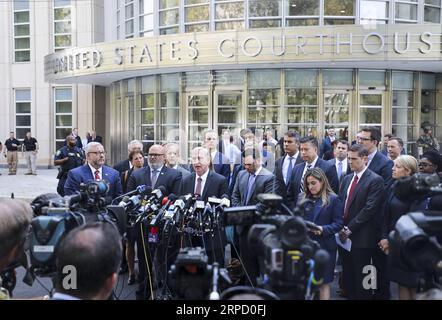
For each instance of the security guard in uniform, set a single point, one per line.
(68, 157)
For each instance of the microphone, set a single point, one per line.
(321, 259)
(140, 190)
(126, 201)
(157, 194)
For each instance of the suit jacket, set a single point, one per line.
(83, 174)
(382, 166)
(333, 162)
(169, 178)
(215, 186)
(295, 183)
(365, 207)
(123, 165)
(325, 146)
(265, 182)
(234, 175)
(280, 177)
(330, 218)
(97, 139)
(221, 165)
(184, 172)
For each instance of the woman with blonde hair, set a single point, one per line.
(327, 214)
(395, 207)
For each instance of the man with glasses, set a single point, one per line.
(156, 174)
(94, 170)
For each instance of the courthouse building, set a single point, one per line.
(165, 70)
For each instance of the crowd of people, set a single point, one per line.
(351, 186)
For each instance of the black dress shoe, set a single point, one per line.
(132, 280)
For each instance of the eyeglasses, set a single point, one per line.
(153, 155)
(363, 139)
(98, 152)
(423, 164)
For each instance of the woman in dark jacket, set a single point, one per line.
(404, 166)
(327, 215)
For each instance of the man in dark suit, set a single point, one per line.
(220, 162)
(94, 170)
(251, 182)
(361, 193)
(340, 162)
(94, 138)
(326, 144)
(156, 174)
(284, 165)
(206, 183)
(370, 137)
(309, 152)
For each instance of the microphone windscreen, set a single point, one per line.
(164, 201)
(172, 197)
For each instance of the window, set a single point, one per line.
(169, 111)
(432, 11)
(146, 18)
(403, 105)
(301, 105)
(339, 12)
(406, 11)
(62, 24)
(22, 40)
(229, 15)
(374, 12)
(22, 112)
(302, 13)
(169, 16)
(129, 19)
(63, 115)
(197, 15)
(265, 13)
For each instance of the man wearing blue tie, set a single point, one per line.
(340, 161)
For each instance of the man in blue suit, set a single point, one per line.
(309, 151)
(94, 170)
(326, 144)
(220, 162)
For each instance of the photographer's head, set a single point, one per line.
(15, 218)
(252, 160)
(94, 250)
(96, 156)
(404, 166)
(430, 162)
(357, 157)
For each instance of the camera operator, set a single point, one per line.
(94, 170)
(205, 184)
(361, 193)
(94, 250)
(249, 184)
(68, 157)
(15, 218)
(395, 207)
(327, 215)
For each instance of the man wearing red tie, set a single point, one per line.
(94, 169)
(361, 193)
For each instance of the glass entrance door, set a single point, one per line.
(198, 116)
(370, 109)
(228, 111)
(337, 112)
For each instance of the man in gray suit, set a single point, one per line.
(250, 183)
(173, 159)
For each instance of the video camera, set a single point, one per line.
(291, 264)
(56, 216)
(416, 241)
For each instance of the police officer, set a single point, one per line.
(68, 157)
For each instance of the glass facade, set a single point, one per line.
(63, 115)
(62, 24)
(22, 112)
(178, 107)
(22, 39)
(159, 17)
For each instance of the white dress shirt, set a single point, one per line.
(100, 170)
(344, 166)
(286, 163)
(359, 180)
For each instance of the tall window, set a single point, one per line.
(374, 11)
(339, 12)
(265, 13)
(197, 15)
(169, 16)
(63, 115)
(148, 110)
(302, 13)
(129, 18)
(146, 18)
(403, 105)
(301, 106)
(169, 116)
(22, 40)
(119, 19)
(229, 15)
(406, 11)
(62, 24)
(22, 112)
(432, 11)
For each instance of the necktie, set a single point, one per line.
(198, 186)
(339, 170)
(349, 198)
(250, 184)
(154, 177)
(289, 171)
(97, 175)
(302, 179)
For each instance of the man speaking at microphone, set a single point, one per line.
(205, 183)
(154, 175)
(94, 170)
